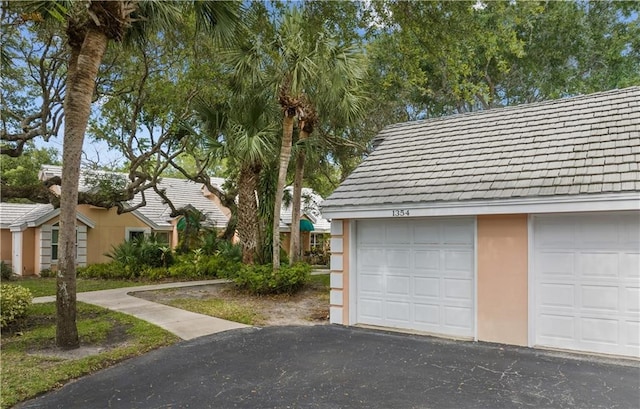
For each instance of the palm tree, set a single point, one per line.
(90, 26)
(296, 62)
(242, 131)
(334, 95)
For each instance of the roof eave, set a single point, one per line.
(523, 205)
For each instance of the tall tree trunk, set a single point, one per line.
(248, 212)
(296, 203)
(285, 156)
(84, 62)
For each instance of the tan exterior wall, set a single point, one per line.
(5, 245)
(109, 231)
(29, 252)
(502, 279)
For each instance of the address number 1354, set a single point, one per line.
(399, 213)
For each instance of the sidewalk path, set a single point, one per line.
(185, 324)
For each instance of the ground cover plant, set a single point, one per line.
(31, 363)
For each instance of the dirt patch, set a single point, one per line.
(308, 307)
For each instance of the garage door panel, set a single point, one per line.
(630, 265)
(426, 286)
(587, 289)
(371, 234)
(603, 265)
(370, 308)
(398, 285)
(459, 261)
(398, 233)
(427, 232)
(458, 232)
(399, 259)
(559, 327)
(600, 298)
(602, 331)
(427, 314)
(426, 260)
(371, 259)
(457, 317)
(632, 300)
(556, 295)
(555, 263)
(427, 275)
(371, 284)
(457, 288)
(597, 233)
(550, 234)
(398, 311)
(632, 334)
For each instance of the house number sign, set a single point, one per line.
(399, 213)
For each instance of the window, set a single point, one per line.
(55, 233)
(317, 240)
(135, 233)
(55, 241)
(162, 237)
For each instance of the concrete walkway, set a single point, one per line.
(185, 324)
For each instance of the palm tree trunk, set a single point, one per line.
(285, 156)
(248, 212)
(83, 67)
(295, 247)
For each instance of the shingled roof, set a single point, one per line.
(583, 145)
(181, 192)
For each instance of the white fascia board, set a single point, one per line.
(55, 212)
(551, 204)
(18, 227)
(144, 219)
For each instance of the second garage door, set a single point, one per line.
(416, 274)
(587, 282)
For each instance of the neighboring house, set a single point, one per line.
(314, 229)
(29, 232)
(518, 225)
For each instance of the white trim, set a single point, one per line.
(551, 204)
(353, 282)
(16, 252)
(531, 305)
(475, 278)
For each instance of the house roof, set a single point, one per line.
(19, 216)
(181, 192)
(309, 207)
(578, 146)
(18, 213)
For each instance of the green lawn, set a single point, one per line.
(47, 286)
(27, 371)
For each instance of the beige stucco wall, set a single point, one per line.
(109, 231)
(5, 245)
(502, 278)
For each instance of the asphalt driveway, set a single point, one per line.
(337, 367)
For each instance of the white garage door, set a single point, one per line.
(587, 282)
(416, 274)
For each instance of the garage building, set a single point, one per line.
(518, 225)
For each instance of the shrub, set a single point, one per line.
(6, 271)
(14, 301)
(136, 255)
(47, 273)
(230, 251)
(105, 271)
(261, 279)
